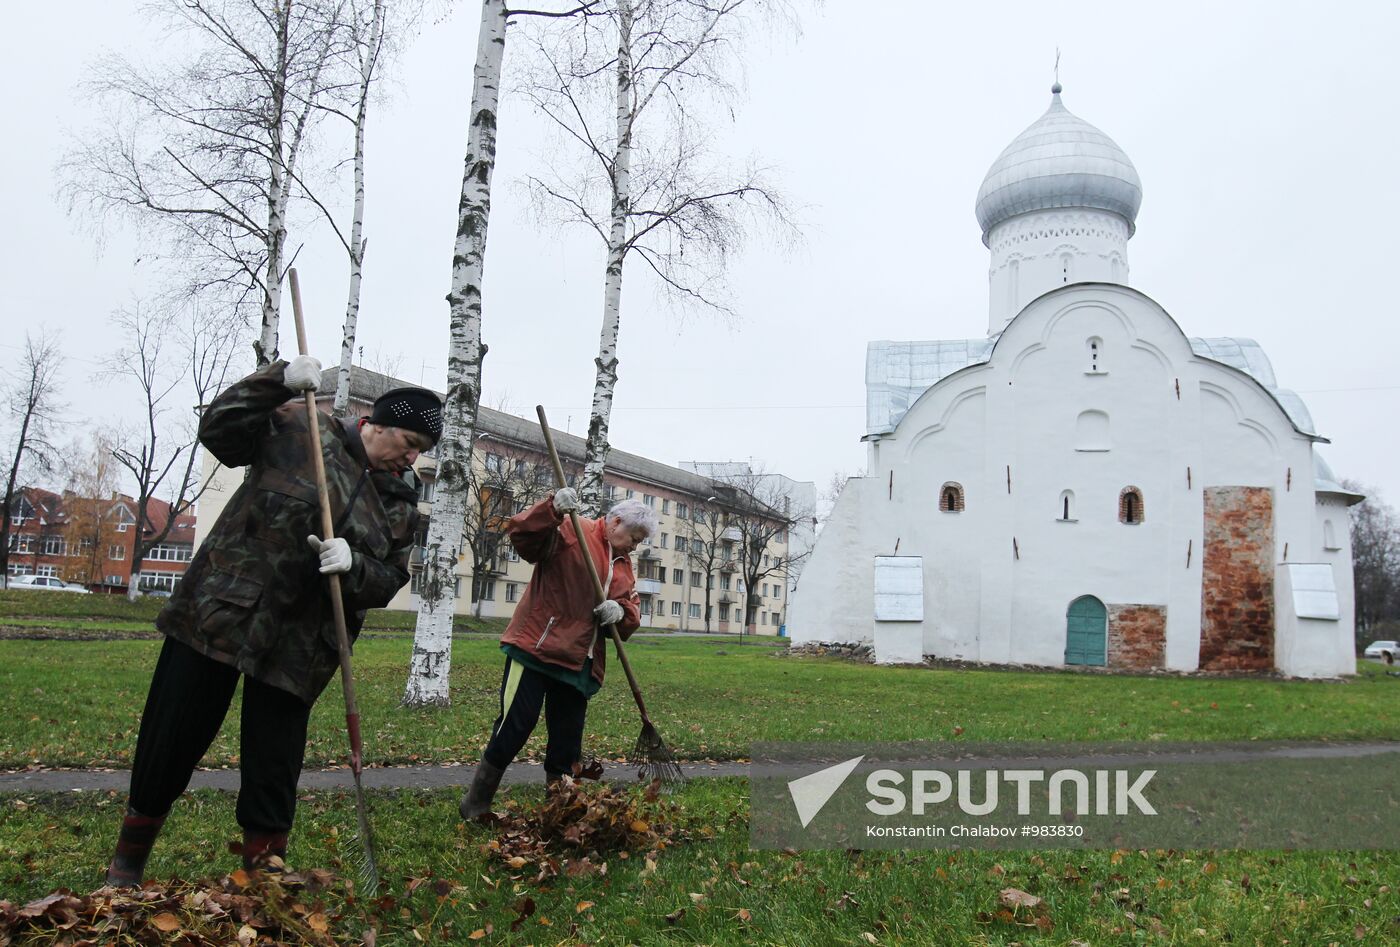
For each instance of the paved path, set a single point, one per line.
(387, 777)
(458, 774)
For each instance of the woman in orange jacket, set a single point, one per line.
(555, 654)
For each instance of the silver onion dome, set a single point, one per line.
(1059, 161)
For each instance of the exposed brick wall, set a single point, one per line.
(1137, 636)
(1237, 580)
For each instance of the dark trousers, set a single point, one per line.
(188, 700)
(523, 692)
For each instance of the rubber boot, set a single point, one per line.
(259, 847)
(134, 841)
(477, 801)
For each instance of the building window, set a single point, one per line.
(23, 544)
(171, 552)
(1095, 356)
(116, 552)
(611, 491)
(483, 590)
(724, 581)
(695, 579)
(681, 544)
(55, 546)
(495, 464)
(113, 580)
(665, 540)
(1130, 509)
(49, 571)
(512, 591)
(677, 577)
(777, 590)
(675, 609)
(426, 488)
(1067, 505)
(1329, 536)
(631, 494)
(765, 589)
(646, 606)
(665, 506)
(724, 613)
(84, 547)
(649, 500)
(157, 581)
(950, 498)
(694, 609)
(682, 510)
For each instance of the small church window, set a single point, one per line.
(1130, 506)
(950, 498)
(1095, 352)
(1064, 267)
(1329, 536)
(1067, 506)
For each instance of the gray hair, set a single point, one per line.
(635, 515)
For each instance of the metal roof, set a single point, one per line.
(897, 373)
(1248, 356)
(1059, 161)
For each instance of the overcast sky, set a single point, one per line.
(1265, 135)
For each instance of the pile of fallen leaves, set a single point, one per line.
(579, 823)
(242, 908)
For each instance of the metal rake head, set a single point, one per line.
(654, 759)
(365, 858)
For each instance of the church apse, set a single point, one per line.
(1237, 580)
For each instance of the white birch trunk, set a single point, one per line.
(266, 345)
(605, 381)
(357, 243)
(431, 664)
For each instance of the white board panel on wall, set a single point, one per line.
(899, 588)
(1314, 590)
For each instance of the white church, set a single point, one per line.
(1086, 485)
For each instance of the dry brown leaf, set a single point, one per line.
(165, 921)
(1016, 898)
(744, 915)
(582, 906)
(476, 934)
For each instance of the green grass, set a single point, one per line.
(78, 703)
(819, 897)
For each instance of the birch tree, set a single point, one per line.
(367, 44)
(647, 186)
(206, 152)
(431, 664)
(161, 454)
(32, 403)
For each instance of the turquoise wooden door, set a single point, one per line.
(1086, 638)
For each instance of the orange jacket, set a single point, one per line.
(554, 620)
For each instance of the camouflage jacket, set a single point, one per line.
(253, 595)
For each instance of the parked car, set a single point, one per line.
(45, 582)
(1380, 650)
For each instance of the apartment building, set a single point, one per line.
(716, 562)
(91, 541)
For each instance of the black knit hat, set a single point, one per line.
(414, 409)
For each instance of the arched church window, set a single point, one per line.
(1095, 351)
(1329, 536)
(1091, 432)
(1067, 505)
(1065, 260)
(1130, 506)
(950, 498)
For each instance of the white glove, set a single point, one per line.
(608, 613)
(335, 554)
(302, 373)
(565, 501)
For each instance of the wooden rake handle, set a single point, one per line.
(598, 592)
(342, 636)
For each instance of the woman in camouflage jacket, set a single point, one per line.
(253, 602)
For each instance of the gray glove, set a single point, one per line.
(335, 554)
(302, 373)
(608, 613)
(565, 501)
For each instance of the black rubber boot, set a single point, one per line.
(477, 801)
(134, 841)
(259, 849)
